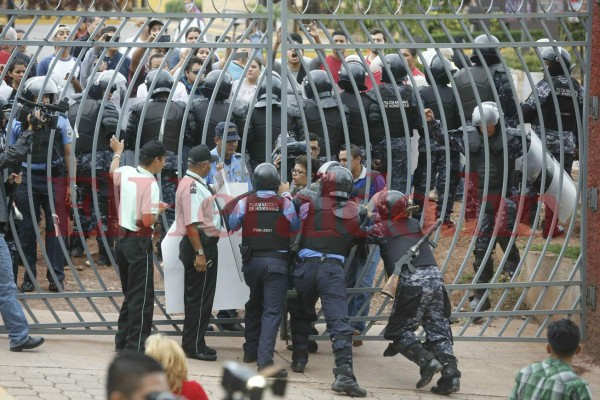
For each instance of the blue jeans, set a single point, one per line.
(353, 275)
(10, 308)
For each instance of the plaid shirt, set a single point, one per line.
(551, 379)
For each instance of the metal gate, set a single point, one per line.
(550, 274)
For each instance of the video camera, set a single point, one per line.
(47, 118)
(293, 146)
(241, 382)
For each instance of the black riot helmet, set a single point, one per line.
(552, 55)
(438, 68)
(101, 81)
(490, 54)
(266, 177)
(275, 88)
(397, 67)
(352, 70)
(4, 111)
(322, 84)
(162, 79)
(337, 182)
(39, 86)
(210, 84)
(392, 205)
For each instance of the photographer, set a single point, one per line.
(111, 59)
(10, 309)
(46, 127)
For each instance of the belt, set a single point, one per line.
(270, 253)
(123, 232)
(320, 260)
(211, 240)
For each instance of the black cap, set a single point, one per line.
(232, 132)
(153, 149)
(155, 22)
(201, 153)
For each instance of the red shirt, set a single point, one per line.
(192, 390)
(334, 66)
(4, 56)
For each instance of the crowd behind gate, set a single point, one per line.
(116, 144)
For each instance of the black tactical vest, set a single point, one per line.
(265, 227)
(173, 122)
(392, 106)
(218, 114)
(87, 125)
(333, 124)
(402, 235)
(356, 129)
(566, 109)
(496, 167)
(255, 145)
(331, 226)
(40, 145)
(482, 84)
(448, 103)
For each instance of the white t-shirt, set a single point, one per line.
(139, 195)
(246, 93)
(180, 94)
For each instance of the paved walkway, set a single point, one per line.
(74, 367)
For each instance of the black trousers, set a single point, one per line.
(199, 293)
(134, 259)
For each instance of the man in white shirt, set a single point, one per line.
(139, 208)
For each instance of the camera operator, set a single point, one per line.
(10, 309)
(45, 126)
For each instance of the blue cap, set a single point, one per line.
(230, 127)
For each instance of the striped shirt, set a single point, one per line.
(551, 379)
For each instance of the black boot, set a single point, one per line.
(417, 354)
(76, 246)
(345, 381)
(299, 360)
(477, 305)
(102, 253)
(450, 380)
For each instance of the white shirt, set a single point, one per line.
(180, 94)
(195, 204)
(246, 93)
(139, 195)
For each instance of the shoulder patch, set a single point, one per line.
(193, 188)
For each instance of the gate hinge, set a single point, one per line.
(592, 198)
(591, 297)
(594, 108)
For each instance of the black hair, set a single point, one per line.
(126, 371)
(339, 33)
(563, 337)
(145, 160)
(314, 165)
(413, 52)
(88, 20)
(16, 61)
(108, 29)
(155, 55)
(377, 31)
(193, 60)
(295, 37)
(192, 29)
(313, 136)
(355, 151)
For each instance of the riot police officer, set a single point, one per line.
(420, 299)
(322, 100)
(199, 118)
(399, 132)
(565, 107)
(485, 121)
(439, 68)
(257, 127)
(332, 223)
(356, 104)
(267, 220)
(44, 90)
(488, 62)
(159, 84)
(83, 116)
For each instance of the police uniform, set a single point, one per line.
(267, 221)
(89, 111)
(139, 196)
(398, 131)
(196, 205)
(420, 300)
(38, 171)
(437, 151)
(331, 226)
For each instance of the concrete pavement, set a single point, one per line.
(74, 367)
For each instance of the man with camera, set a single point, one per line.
(10, 308)
(52, 141)
(111, 58)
